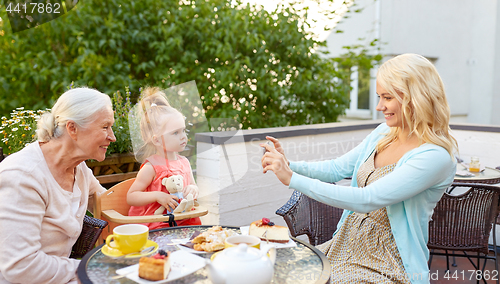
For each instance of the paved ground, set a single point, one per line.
(462, 273)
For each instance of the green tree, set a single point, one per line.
(258, 67)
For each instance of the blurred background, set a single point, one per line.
(261, 63)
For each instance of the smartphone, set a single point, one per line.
(264, 150)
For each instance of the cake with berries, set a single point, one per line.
(268, 231)
(156, 267)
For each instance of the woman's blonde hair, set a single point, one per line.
(78, 105)
(152, 108)
(415, 82)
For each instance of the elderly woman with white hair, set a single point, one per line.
(45, 187)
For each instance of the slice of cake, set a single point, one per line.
(267, 230)
(156, 267)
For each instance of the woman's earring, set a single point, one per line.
(154, 139)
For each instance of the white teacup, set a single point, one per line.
(251, 241)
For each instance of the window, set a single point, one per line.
(362, 94)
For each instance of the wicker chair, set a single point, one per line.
(304, 215)
(91, 231)
(463, 223)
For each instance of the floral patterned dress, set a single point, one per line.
(364, 249)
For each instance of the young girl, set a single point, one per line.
(163, 131)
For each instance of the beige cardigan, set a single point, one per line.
(37, 228)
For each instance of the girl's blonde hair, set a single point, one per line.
(78, 105)
(153, 107)
(415, 82)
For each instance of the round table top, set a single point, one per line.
(301, 264)
(489, 175)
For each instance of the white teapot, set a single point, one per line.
(242, 265)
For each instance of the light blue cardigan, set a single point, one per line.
(409, 193)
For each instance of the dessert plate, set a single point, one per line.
(179, 243)
(182, 263)
(244, 231)
(115, 253)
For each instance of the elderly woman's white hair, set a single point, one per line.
(78, 105)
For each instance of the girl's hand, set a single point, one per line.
(168, 201)
(193, 189)
(276, 162)
(277, 146)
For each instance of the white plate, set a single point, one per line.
(464, 174)
(244, 231)
(178, 242)
(182, 263)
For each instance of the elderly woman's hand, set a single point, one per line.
(276, 162)
(193, 189)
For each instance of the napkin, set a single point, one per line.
(187, 242)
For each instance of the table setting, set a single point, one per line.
(241, 257)
(475, 172)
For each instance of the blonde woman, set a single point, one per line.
(45, 187)
(400, 172)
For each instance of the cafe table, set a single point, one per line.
(301, 264)
(488, 175)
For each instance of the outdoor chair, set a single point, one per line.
(91, 231)
(112, 206)
(304, 215)
(464, 222)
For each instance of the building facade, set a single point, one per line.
(462, 39)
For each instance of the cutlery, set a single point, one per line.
(265, 236)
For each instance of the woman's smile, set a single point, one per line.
(390, 106)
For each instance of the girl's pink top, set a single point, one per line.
(164, 168)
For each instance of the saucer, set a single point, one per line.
(464, 174)
(214, 255)
(114, 252)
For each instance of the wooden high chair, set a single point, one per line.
(112, 207)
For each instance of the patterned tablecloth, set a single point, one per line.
(300, 264)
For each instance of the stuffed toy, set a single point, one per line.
(174, 184)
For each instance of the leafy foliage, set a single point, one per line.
(260, 68)
(121, 106)
(19, 130)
